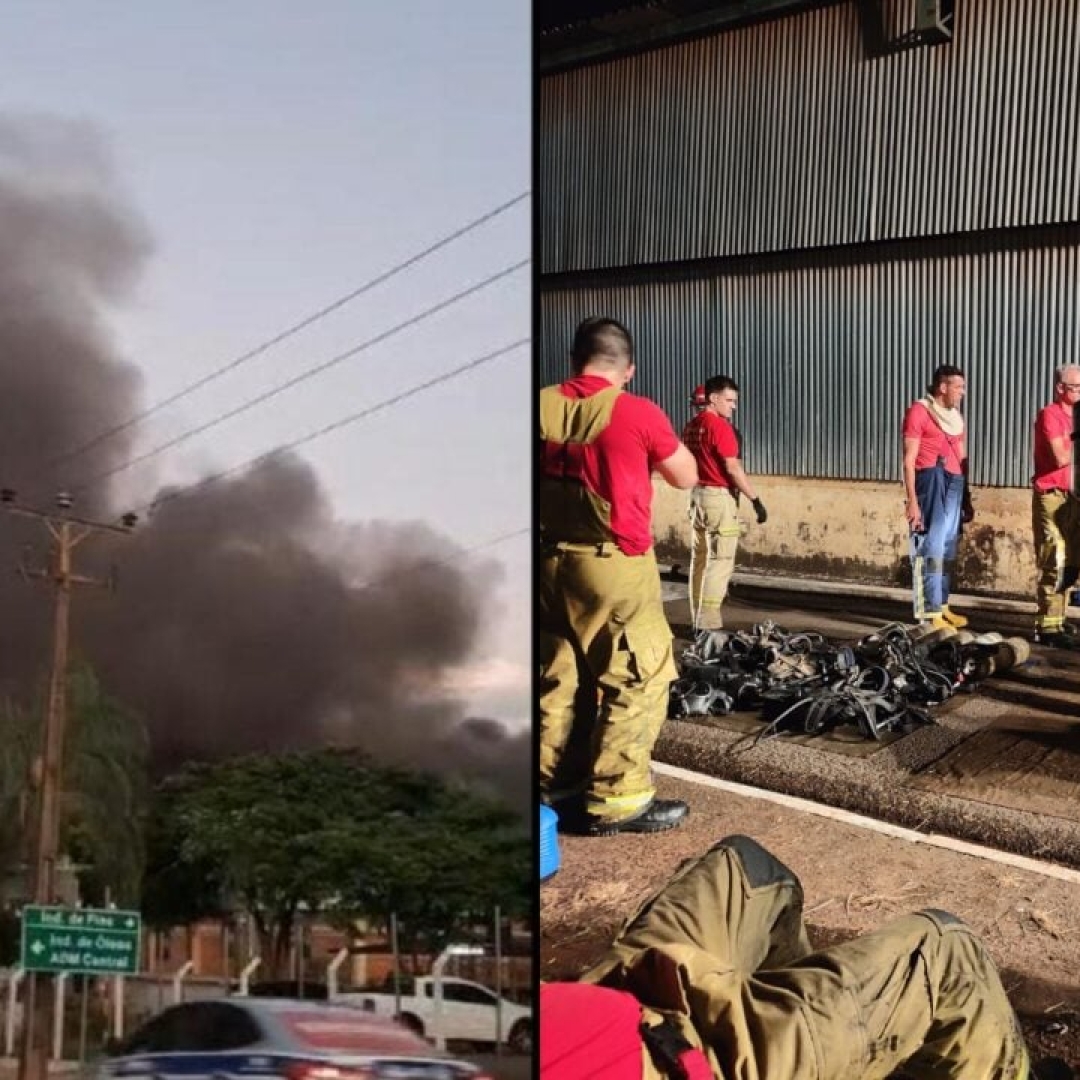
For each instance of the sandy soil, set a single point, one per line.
(854, 880)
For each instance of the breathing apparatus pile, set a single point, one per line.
(884, 683)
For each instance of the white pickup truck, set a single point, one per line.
(469, 1012)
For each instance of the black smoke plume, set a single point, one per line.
(244, 619)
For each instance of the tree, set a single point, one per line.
(442, 871)
(18, 733)
(329, 831)
(176, 891)
(104, 792)
(257, 824)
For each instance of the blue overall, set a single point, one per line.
(933, 551)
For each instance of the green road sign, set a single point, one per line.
(93, 941)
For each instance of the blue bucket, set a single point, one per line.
(549, 842)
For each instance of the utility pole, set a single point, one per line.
(67, 533)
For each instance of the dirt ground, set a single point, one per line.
(854, 880)
(1023, 800)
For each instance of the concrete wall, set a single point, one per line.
(855, 531)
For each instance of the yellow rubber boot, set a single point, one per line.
(950, 617)
(933, 629)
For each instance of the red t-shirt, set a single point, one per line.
(711, 438)
(589, 1033)
(933, 442)
(1053, 421)
(618, 465)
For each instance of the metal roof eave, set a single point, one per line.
(606, 37)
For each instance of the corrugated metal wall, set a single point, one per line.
(786, 135)
(829, 357)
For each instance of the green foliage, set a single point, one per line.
(105, 791)
(176, 891)
(18, 735)
(333, 833)
(442, 870)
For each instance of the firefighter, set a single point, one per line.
(714, 503)
(714, 978)
(1055, 512)
(605, 645)
(937, 499)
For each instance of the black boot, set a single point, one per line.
(659, 816)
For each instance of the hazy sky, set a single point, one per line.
(280, 155)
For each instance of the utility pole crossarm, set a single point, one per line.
(71, 579)
(51, 518)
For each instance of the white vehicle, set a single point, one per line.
(469, 1012)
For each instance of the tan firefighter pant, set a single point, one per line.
(714, 521)
(1055, 521)
(605, 669)
(721, 950)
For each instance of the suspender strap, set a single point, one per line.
(677, 1057)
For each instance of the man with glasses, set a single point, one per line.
(1055, 512)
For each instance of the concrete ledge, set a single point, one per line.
(777, 583)
(834, 813)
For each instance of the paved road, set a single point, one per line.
(507, 1067)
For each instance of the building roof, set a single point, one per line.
(570, 33)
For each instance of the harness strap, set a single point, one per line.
(602, 549)
(674, 1053)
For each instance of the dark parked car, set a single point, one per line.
(243, 1038)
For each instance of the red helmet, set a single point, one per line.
(698, 399)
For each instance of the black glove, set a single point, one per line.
(967, 511)
(759, 509)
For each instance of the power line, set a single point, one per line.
(302, 377)
(284, 335)
(311, 436)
